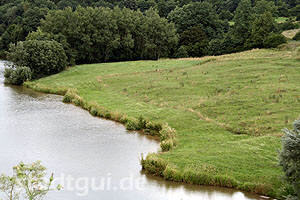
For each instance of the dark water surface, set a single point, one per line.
(94, 159)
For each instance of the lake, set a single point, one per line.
(92, 158)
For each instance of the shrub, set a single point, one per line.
(142, 123)
(172, 174)
(157, 127)
(78, 101)
(17, 76)
(153, 164)
(288, 25)
(124, 119)
(42, 57)
(94, 111)
(167, 145)
(116, 116)
(132, 125)
(69, 96)
(290, 156)
(167, 133)
(274, 40)
(297, 36)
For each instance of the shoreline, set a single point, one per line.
(152, 164)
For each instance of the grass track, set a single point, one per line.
(228, 111)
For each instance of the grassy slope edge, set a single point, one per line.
(227, 112)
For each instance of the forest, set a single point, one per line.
(109, 30)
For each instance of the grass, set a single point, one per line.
(281, 19)
(290, 34)
(224, 114)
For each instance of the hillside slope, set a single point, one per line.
(228, 111)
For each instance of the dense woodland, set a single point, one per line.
(109, 30)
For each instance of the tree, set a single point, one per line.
(104, 34)
(263, 6)
(290, 156)
(131, 4)
(13, 34)
(282, 8)
(164, 7)
(198, 14)
(17, 75)
(32, 17)
(274, 40)
(195, 41)
(42, 57)
(29, 179)
(261, 28)
(144, 5)
(159, 35)
(243, 18)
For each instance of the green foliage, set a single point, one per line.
(153, 164)
(200, 14)
(274, 40)
(297, 36)
(42, 57)
(103, 34)
(290, 156)
(9, 186)
(288, 25)
(17, 76)
(263, 6)
(282, 8)
(98, 30)
(195, 41)
(243, 19)
(13, 34)
(28, 179)
(39, 35)
(181, 52)
(159, 36)
(132, 125)
(261, 28)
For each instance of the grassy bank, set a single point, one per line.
(223, 114)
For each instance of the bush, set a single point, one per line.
(290, 156)
(288, 25)
(297, 36)
(17, 76)
(132, 125)
(94, 111)
(142, 123)
(274, 40)
(154, 165)
(167, 145)
(42, 57)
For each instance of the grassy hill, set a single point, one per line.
(228, 111)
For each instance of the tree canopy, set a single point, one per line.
(113, 30)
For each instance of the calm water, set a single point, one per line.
(93, 158)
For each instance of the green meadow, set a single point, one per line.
(228, 111)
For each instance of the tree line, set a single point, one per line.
(202, 27)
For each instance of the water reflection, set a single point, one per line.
(73, 144)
